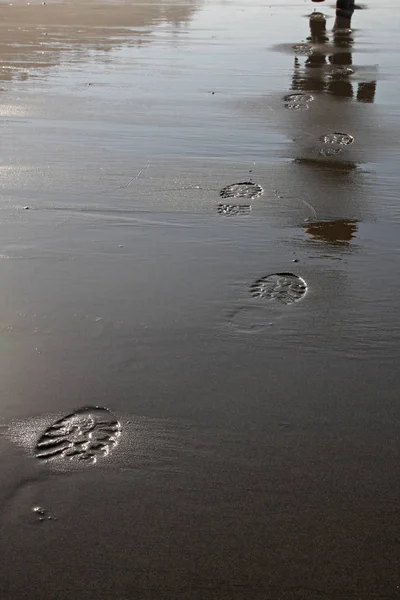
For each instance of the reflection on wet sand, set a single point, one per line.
(33, 36)
(334, 120)
(331, 132)
(328, 68)
(338, 232)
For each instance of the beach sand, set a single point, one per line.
(199, 381)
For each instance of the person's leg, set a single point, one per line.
(344, 12)
(345, 8)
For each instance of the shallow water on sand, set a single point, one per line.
(199, 381)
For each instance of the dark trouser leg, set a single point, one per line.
(344, 12)
(345, 8)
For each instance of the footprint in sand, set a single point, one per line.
(339, 71)
(298, 101)
(85, 435)
(303, 49)
(246, 189)
(282, 287)
(344, 139)
(248, 319)
(334, 143)
(232, 210)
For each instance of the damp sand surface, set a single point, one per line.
(199, 265)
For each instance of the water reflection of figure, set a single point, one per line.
(328, 72)
(344, 11)
(328, 68)
(339, 232)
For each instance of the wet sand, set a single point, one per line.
(199, 383)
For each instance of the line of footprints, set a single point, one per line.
(332, 143)
(285, 288)
(92, 432)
